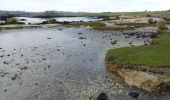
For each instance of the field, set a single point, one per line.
(153, 55)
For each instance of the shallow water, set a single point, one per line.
(54, 64)
(59, 19)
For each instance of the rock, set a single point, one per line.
(8, 55)
(6, 63)
(44, 59)
(14, 77)
(22, 55)
(80, 33)
(48, 38)
(82, 38)
(102, 96)
(17, 64)
(134, 95)
(36, 84)
(1, 56)
(60, 29)
(24, 68)
(114, 42)
(5, 90)
(1, 48)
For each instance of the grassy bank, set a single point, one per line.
(154, 55)
(99, 25)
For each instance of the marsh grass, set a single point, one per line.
(11, 21)
(102, 26)
(161, 25)
(151, 55)
(92, 24)
(136, 25)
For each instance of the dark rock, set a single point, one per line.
(82, 38)
(58, 50)
(36, 84)
(1, 56)
(22, 55)
(17, 64)
(134, 95)
(5, 90)
(102, 96)
(114, 42)
(8, 55)
(6, 63)
(14, 77)
(1, 48)
(48, 38)
(24, 68)
(60, 29)
(44, 59)
(80, 33)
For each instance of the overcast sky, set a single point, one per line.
(85, 5)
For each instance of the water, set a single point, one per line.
(54, 64)
(59, 19)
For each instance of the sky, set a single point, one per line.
(85, 5)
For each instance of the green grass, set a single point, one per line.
(155, 55)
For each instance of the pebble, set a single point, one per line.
(102, 96)
(134, 95)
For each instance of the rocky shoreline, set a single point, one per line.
(144, 77)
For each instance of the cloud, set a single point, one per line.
(85, 5)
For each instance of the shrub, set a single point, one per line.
(11, 21)
(150, 20)
(148, 15)
(52, 21)
(161, 25)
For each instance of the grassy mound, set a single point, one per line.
(154, 55)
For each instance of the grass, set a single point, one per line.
(161, 25)
(92, 24)
(155, 55)
(137, 25)
(101, 26)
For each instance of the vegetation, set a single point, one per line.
(98, 26)
(151, 55)
(11, 21)
(161, 25)
(150, 20)
(92, 24)
(136, 25)
(52, 21)
(120, 26)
